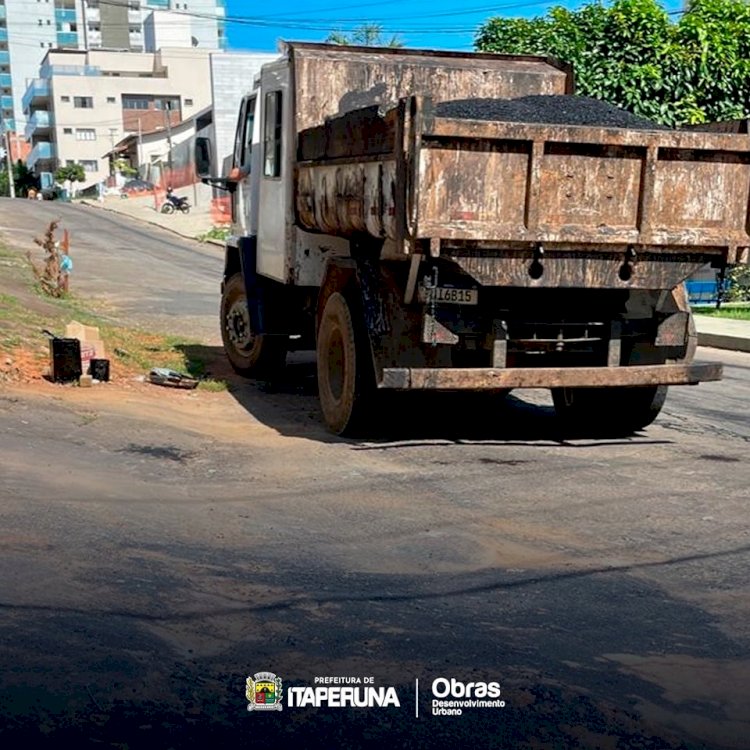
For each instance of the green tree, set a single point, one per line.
(367, 35)
(70, 173)
(633, 54)
(23, 179)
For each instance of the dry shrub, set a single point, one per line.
(49, 276)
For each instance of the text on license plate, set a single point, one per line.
(449, 295)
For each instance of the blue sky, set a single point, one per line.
(435, 24)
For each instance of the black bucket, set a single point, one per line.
(65, 358)
(99, 370)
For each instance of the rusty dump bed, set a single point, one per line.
(442, 182)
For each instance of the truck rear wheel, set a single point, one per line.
(608, 411)
(345, 382)
(250, 354)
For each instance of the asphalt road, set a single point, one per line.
(157, 548)
(141, 274)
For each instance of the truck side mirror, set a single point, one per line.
(203, 157)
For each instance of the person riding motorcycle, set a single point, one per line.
(176, 200)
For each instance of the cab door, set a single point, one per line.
(275, 173)
(245, 196)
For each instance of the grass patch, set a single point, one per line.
(215, 233)
(130, 350)
(213, 386)
(733, 312)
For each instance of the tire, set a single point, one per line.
(346, 385)
(613, 411)
(249, 354)
(167, 208)
(185, 208)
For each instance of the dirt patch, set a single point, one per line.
(25, 314)
(214, 415)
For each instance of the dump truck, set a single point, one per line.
(456, 221)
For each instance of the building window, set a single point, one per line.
(167, 102)
(134, 102)
(83, 102)
(67, 131)
(64, 98)
(111, 100)
(85, 134)
(90, 165)
(272, 135)
(188, 102)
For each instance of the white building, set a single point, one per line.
(30, 28)
(83, 103)
(232, 76)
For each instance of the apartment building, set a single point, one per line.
(83, 103)
(30, 28)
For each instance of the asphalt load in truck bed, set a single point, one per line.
(550, 110)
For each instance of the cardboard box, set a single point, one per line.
(92, 347)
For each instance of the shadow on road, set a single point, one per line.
(560, 651)
(289, 405)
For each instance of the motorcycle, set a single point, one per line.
(175, 203)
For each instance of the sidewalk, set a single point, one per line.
(146, 208)
(720, 333)
(723, 333)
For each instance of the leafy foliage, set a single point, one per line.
(368, 35)
(632, 54)
(738, 289)
(124, 167)
(71, 172)
(23, 179)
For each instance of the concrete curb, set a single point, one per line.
(724, 341)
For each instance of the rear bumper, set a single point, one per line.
(454, 379)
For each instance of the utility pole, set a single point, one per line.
(9, 158)
(168, 122)
(139, 155)
(112, 132)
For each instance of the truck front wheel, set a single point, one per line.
(345, 380)
(608, 411)
(249, 353)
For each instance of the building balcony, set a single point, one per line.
(47, 71)
(9, 123)
(38, 91)
(42, 152)
(4, 57)
(6, 80)
(39, 122)
(2, 12)
(6, 102)
(3, 34)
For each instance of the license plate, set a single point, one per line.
(447, 295)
